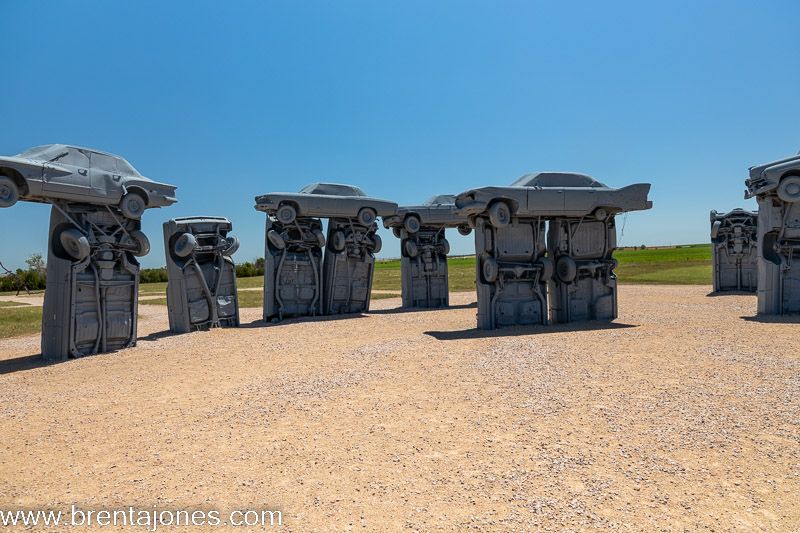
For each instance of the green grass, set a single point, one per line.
(256, 298)
(685, 265)
(20, 321)
(461, 273)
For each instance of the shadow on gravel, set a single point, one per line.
(773, 319)
(730, 293)
(299, 320)
(515, 331)
(25, 362)
(396, 310)
(157, 335)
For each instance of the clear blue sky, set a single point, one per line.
(407, 99)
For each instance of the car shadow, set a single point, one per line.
(260, 323)
(395, 310)
(515, 331)
(773, 319)
(157, 335)
(730, 293)
(26, 362)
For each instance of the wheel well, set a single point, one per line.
(795, 173)
(512, 204)
(141, 192)
(16, 177)
(291, 203)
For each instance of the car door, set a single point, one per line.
(105, 176)
(68, 176)
(545, 201)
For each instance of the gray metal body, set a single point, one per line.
(555, 194)
(293, 269)
(298, 279)
(92, 288)
(325, 200)
(583, 286)
(348, 266)
(424, 249)
(776, 186)
(201, 291)
(76, 174)
(512, 270)
(511, 273)
(734, 254)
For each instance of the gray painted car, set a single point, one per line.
(552, 194)
(734, 255)
(82, 175)
(782, 176)
(325, 200)
(438, 211)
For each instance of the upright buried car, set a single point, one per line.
(776, 187)
(297, 281)
(79, 175)
(734, 251)
(514, 276)
(424, 249)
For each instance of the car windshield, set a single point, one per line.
(45, 152)
(441, 199)
(333, 189)
(556, 179)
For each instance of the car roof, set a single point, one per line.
(332, 189)
(556, 180)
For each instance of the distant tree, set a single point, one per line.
(643, 247)
(36, 264)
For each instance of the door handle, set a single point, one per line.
(82, 171)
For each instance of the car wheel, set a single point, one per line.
(286, 214)
(276, 240)
(132, 205)
(547, 268)
(338, 241)
(396, 232)
(233, 245)
(464, 230)
(377, 243)
(75, 244)
(319, 236)
(444, 247)
(366, 217)
(185, 245)
(9, 192)
(490, 269)
(142, 243)
(715, 230)
(499, 214)
(410, 248)
(566, 269)
(600, 214)
(789, 189)
(412, 224)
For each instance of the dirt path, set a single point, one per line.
(681, 415)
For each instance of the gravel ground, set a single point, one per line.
(683, 414)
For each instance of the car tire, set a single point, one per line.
(397, 232)
(142, 243)
(410, 248)
(75, 244)
(184, 245)
(412, 224)
(367, 216)
(9, 192)
(377, 244)
(464, 230)
(600, 214)
(233, 245)
(566, 269)
(338, 241)
(319, 236)
(789, 189)
(132, 205)
(490, 269)
(444, 247)
(547, 268)
(286, 214)
(276, 240)
(499, 214)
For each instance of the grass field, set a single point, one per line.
(683, 265)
